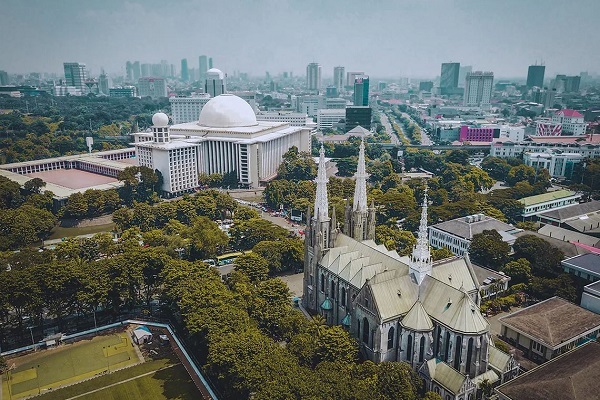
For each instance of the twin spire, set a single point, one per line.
(420, 259)
(360, 188)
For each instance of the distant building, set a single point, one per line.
(4, 78)
(425, 86)
(335, 102)
(137, 72)
(549, 328)
(215, 82)
(449, 76)
(75, 75)
(187, 109)
(575, 217)
(358, 115)
(152, 87)
(249, 96)
(327, 118)
(567, 84)
(338, 78)
(351, 76)
(558, 164)
(456, 234)
(202, 68)
(535, 76)
(313, 77)
(331, 91)
(590, 298)
(103, 83)
(288, 117)
(361, 90)
(478, 89)
(538, 204)
(462, 75)
(185, 75)
(126, 91)
(584, 145)
(571, 122)
(572, 376)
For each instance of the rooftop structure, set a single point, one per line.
(590, 298)
(550, 328)
(585, 266)
(572, 376)
(456, 234)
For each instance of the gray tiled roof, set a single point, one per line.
(573, 211)
(461, 228)
(589, 262)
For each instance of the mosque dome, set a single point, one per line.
(216, 71)
(160, 120)
(227, 111)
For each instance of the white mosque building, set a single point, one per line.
(408, 309)
(226, 138)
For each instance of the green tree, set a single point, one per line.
(498, 168)
(253, 266)
(440, 254)
(544, 258)
(521, 173)
(34, 185)
(247, 234)
(519, 271)
(488, 249)
(297, 166)
(206, 238)
(394, 239)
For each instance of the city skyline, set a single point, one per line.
(410, 38)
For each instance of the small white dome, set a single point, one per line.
(215, 71)
(160, 120)
(227, 111)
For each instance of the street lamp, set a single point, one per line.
(32, 340)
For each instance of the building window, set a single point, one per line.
(343, 297)
(457, 351)
(409, 347)
(365, 332)
(390, 344)
(332, 289)
(422, 349)
(469, 355)
(322, 283)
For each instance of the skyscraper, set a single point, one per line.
(203, 67)
(449, 76)
(103, 83)
(185, 76)
(75, 75)
(215, 82)
(361, 90)
(313, 76)
(535, 76)
(462, 74)
(338, 77)
(210, 64)
(129, 70)
(146, 70)
(3, 78)
(137, 72)
(478, 89)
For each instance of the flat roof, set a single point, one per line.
(73, 178)
(461, 228)
(593, 288)
(571, 376)
(544, 197)
(573, 211)
(553, 321)
(587, 262)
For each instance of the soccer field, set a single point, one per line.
(48, 369)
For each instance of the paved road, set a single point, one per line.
(294, 283)
(425, 140)
(385, 121)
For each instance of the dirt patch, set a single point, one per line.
(82, 223)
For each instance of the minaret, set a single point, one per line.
(420, 260)
(360, 220)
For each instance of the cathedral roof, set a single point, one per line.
(394, 293)
(417, 319)
(445, 375)
(498, 359)
(455, 272)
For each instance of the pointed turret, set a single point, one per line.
(360, 188)
(321, 201)
(420, 259)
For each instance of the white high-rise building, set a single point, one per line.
(313, 76)
(478, 89)
(338, 78)
(75, 75)
(187, 109)
(215, 82)
(230, 139)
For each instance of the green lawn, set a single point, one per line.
(68, 364)
(60, 232)
(172, 382)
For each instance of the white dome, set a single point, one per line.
(215, 71)
(227, 111)
(160, 119)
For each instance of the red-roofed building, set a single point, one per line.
(571, 122)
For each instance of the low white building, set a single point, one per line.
(457, 234)
(558, 164)
(288, 117)
(587, 146)
(571, 122)
(152, 87)
(539, 204)
(327, 118)
(187, 109)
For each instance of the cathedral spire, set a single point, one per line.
(360, 189)
(420, 259)
(321, 202)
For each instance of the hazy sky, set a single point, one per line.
(383, 38)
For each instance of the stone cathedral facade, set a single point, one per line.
(408, 309)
